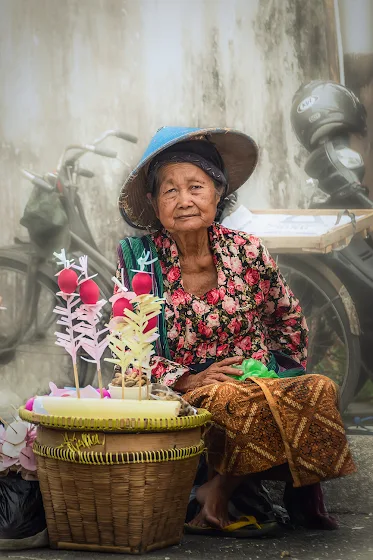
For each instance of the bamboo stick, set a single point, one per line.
(140, 385)
(7, 424)
(99, 377)
(76, 378)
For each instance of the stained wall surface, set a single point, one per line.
(72, 69)
(69, 70)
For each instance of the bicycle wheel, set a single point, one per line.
(13, 325)
(334, 347)
(33, 349)
(29, 357)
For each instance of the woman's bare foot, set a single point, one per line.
(213, 498)
(200, 520)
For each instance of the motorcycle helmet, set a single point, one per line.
(321, 109)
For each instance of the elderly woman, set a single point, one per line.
(225, 301)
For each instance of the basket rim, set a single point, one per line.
(97, 458)
(119, 425)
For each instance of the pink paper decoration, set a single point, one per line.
(19, 456)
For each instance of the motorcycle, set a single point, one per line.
(324, 116)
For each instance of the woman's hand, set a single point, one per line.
(216, 373)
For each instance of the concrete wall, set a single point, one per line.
(71, 69)
(357, 42)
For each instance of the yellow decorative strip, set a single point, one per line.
(118, 425)
(94, 458)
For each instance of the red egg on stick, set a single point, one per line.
(142, 283)
(89, 292)
(152, 323)
(120, 305)
(67, 281)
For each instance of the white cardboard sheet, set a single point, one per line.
(272, 225)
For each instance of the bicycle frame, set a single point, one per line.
(65, 181)
(81, 236)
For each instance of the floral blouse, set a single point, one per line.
(251, 311)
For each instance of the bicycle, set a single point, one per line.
(324, 299)
(27, 270)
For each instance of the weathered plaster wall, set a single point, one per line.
(357, 41)
(71, 69)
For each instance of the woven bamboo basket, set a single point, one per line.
(116, 486)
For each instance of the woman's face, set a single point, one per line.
(186, 199)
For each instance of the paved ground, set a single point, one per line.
(354, 541)
(350, 499)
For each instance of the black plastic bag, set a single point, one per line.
(21, 508)
(46, 221)
(44, 213)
